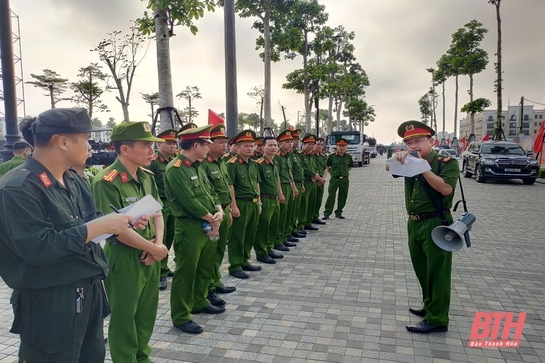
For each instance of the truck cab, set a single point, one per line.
(357, 145)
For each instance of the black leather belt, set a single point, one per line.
(430, 215)
(225, 205)
(339, 177)
(274, 197)
(310, 180)
(298, 181)
(115, 243)
(254, 200)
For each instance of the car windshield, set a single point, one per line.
(353, 139)
(449, 151)
(502, 149)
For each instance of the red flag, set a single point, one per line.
(538, 143)
(486, 137)
(464, 143)
(214, 119)
(448, 142)
(436, 142)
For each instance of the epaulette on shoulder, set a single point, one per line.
(232, 160)
(444, 160)
(110, 176)
(147, 171)
(261, 160)
(155, 157)
(177, 163)
(226, 155)
(301, 151)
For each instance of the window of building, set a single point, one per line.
(535, 131)
(535, 123)
(512, 132)
(512, 125)
(526, 132)
(490, 125)
(513, 118)
(526, 118)
(540, 117)
(490, 118)
(535, 117)
(525, 125)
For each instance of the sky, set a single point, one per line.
(396, 41)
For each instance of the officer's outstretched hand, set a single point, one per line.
(143, 221)
(158, 251)
(113, 223)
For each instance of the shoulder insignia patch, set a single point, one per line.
(177, 163)
(232, 160)
(209, 159)
(155, 157)
(261, 160)
(147, 171)
(280, 153)
(110, 176)
(442, 159)
(187, 162)
(124, 177)
(162, 159)
(240, 161)
(45, 179)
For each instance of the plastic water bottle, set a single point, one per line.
(207, 228)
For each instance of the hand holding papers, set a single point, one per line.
(411, 167)
(144, 207)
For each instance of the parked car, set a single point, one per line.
(499, 159)
(451, 153)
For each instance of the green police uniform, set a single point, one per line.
(191, 197)
(320, 162)
(158, 166)
(299, 178)
(286, 209)
(11, 164)
(308, 200)
(432, 265)
(244, 177)
(58, 300)
(270, 212)
(217, 174)
(339, 169)
(132, 287)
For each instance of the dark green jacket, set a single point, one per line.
(284, 166)
(217, 174)
(158, 166)
(339, 165)
(42, 231)
(297, 166)
(268, 173)
(243, 176)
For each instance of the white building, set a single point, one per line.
(485, 122)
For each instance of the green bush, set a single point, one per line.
(541, 173)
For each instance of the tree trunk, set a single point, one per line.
(339, 110)
(90, 95)
(329, 114)
(472, 116)
(51, 95)
(190, 109)
(499, 131)
(444, 108)
(456, 107)
(306, 90)
(166, 99)
(266, 102)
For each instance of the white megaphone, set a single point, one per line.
(451, 238)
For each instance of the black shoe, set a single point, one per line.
(425, 328)
(317, 221)
(290, 244)
(281, 248)
(340, 216)
(325, 218)
(215, 299)
(222, 289)
(418, 312)
(239, 274)
(292, 239)
(170, 273)
(250, 267)
(266, 259)
(302, 231)
(298, 235)
(163, 283)
(190, 327)
(210, 309)
(273, 254)
(311, 228)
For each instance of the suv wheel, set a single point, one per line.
(467, 174)
(528, 181)
(479, 174)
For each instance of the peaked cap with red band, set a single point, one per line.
(296, 133)
(309, 138)
(259, 141)
(199, 133)
(187, 126)
(168, 135)
(341, 142)
(284, 135)
(411, 129)
(244, 136)
(218, 132)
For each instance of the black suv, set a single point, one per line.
(498, 159)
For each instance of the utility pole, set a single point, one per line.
(8, 81)
(230, 67)
(521, 131)
(285, 120)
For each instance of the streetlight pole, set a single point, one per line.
(230, 67)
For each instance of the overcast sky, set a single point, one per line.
(396, 40)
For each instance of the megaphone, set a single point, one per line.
(451, 238)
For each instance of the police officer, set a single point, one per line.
(21, 149)
(47, 221)
(428, 199)
(289, 189)
(258, 148)
(299, 179)
(165, 153)
(320, 162)
(271, 197)
(245, 205)
(338, 165)
(133, 283)
(216, 170)
(312, 176)
(194, 204)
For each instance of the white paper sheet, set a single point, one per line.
(144, 207)
(411, 167)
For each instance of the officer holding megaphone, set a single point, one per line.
(428, 199)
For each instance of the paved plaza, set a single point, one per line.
(342, 295)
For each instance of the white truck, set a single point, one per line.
(358, 144)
